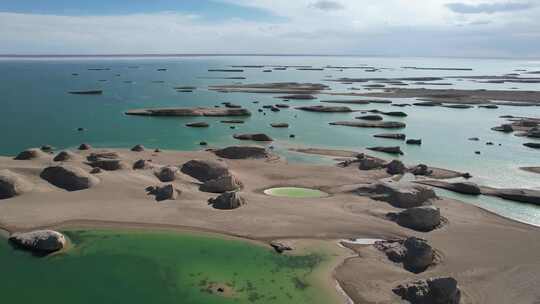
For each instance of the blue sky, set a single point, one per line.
(216, 10)
(479, 28)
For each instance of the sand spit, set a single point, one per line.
(213, 112)
(455, 96)
(483, 252)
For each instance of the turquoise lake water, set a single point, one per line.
(37, 110)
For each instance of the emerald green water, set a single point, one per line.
(294, 192)
(156, 267)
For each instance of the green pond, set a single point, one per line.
(106, 266)
(295, 192)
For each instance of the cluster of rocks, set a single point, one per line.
(443, 290)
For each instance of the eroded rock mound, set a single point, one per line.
(443, 290)
(242, 152)
(142, 164)
(222, 184)
(403, 195)
(30, 154)
(39, 241)
(389, 150)
(423, 218)
(205, 170)
(12, 184)
(69, 178)
(167, 173)
(414, 253)
(228, 201)
(396, 167)
(163, 193)
(138, 148)
(64, 156)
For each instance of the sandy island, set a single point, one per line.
(494, 260)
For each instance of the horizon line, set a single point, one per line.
(149, 55)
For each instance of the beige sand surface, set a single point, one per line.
(495, 260)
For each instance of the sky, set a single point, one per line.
(464, 28)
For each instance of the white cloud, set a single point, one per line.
(388, 27)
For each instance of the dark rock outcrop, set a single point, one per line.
(138, 148)
(164, 193)
(182, 112)
(325, 109)
(422, 170)
(167, 173)
(398, 136)
(506, 128)
(414, 253)
(64, 156)
(279, 125)
(222, 184)
(373, 124)
(205, 170)
(396, 167)
(253, 136)
(228, 201)
(198, 125)
(12, 184)
(39, 242)
(423, 218)
(280, 247)
(431, 291)
(242, 152)
(84, 147)
(30, 154)
(69, 178)
(400, 195)
(142, 164)
(532, 145)
(390, 150)
(414, 142)
(370, 117)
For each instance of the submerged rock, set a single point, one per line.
(376, 124)
(30, 154)
(443, 290)
(39, 241)
(242, 152)
(414, 142)
(69, 178)
(506, 128)
(205, 170)
(228, 201)
(12, 184)
(183, 112)
(326, 109)
(279, 125)
(532, 145)
(423, 218)
(222, 184)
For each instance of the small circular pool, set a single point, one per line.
(295, 192)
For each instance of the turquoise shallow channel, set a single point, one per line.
(106, 266)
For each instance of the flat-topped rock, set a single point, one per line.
(205, 170)
(200, 111)
(350, 101)
(325, 109)
(279, 125)
(39, 241)
(253, 136)
(222, 184)
(30, 154)
(402, 195)
(374, 124)
(298, 97)
(242, 152)
(13, 184)
(69, 177)
(228, 201)
(431, 291)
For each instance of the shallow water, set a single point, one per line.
(151, 267)
(294, 192)
(36, 110)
